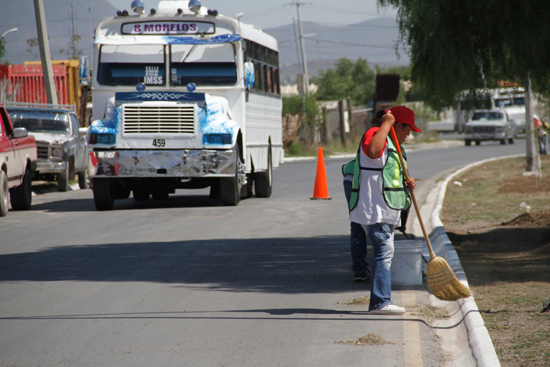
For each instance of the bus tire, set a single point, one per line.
(246, 190)
(4, 194)
(103, 195)
(230, 192)
(263, 181)
(21, 196)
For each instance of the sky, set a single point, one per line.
(273, 13)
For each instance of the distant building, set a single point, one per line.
(291, 90)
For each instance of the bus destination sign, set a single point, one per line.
(168, 28)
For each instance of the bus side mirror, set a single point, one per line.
(249, 75)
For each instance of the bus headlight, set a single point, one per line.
(216, 139)
(102, 138)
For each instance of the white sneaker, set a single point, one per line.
(389, 310)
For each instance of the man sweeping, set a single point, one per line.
(379, 194)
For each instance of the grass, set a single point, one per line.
(507, 266)
(478, 199)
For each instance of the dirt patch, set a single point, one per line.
(503, 242)
(525, 185)
(369, 339)
(528, 220)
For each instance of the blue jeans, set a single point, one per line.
(380, 236)
(357, 240)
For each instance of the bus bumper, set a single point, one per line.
(185, 163)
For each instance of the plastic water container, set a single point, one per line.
(406, 266)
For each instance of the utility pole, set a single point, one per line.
(73, 44)
(530, 140)
(44, 44)
(302, 46)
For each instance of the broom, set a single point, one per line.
(442, 281)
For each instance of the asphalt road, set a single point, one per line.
(188, 282)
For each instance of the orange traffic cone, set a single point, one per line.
(320, 191)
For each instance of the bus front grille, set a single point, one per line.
(159, 119)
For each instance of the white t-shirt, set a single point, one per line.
(371, 207)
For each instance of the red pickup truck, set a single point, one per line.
(17, 165)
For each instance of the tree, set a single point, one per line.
(2, 48)
(469, 44)
(308, 110)
(72, 48)
(346, 79)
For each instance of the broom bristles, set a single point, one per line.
(443, 282)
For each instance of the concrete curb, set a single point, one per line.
(479, 340)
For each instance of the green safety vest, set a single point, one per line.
(395, 194)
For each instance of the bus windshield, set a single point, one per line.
(203, 64)
(131, 64)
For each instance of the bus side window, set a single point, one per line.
(268, 79)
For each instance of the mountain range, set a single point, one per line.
(373, 40)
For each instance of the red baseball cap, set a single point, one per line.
(404, 115)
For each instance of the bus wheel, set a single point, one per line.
(230, 191)
(263, 181)
(246, 190)
(103, 196)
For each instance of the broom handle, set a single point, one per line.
(417, 209)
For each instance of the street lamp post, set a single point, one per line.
(8, 31)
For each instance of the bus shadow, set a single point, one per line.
(278, 265)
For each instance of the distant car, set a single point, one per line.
(17, 165)
(61, 143)
(488, 125)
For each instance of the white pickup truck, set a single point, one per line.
(17, 165)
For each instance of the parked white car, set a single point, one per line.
(488, 125)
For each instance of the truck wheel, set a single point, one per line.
(103, 196)
(502, 141)
(467, 142)
(83, 179)
(21, 197)
(63, 180)
(511, 140)
(4, 192)
(230, 191)
(263, 181)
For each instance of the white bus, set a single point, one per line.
(183, 97)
